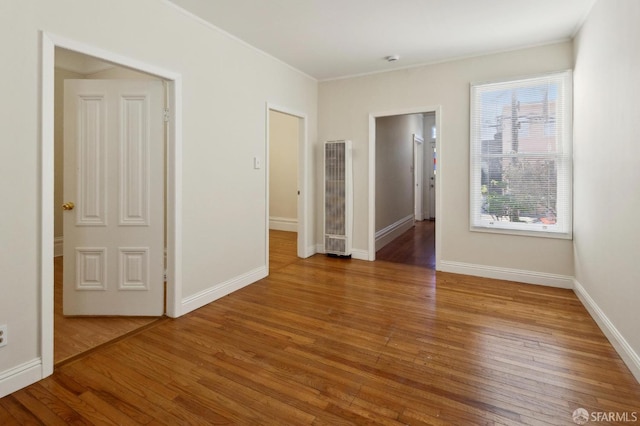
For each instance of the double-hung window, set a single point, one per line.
(521, 156)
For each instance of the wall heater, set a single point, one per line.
(338, 198)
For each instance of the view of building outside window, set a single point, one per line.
(518, 166)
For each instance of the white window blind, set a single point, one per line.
(521, 156)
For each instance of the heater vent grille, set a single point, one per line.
(337, 197)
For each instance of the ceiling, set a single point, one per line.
(329, 39)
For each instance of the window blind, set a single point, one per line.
(521, 155)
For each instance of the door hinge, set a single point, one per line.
(166, 115)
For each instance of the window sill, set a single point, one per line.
(522, 232)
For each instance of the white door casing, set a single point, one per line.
(431, 173)
(114, 174)
(418, 166)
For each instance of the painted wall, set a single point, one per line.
(344, 108)
(224, 101)
(120, 73)
(283, 169)
(394, 167)
(607, 165)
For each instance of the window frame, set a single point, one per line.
(563, 228)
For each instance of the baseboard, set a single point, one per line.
(359, 254)
(624, 349)
(58, 245)
(19, 377)
(283, 224)
(209, 295)
(391, 232)
(519, 275)
(310, 251)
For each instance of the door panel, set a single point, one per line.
(114, 176)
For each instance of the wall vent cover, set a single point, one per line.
(338, 199)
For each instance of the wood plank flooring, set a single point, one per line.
(76, 335)
(325, 341)
(417, 246)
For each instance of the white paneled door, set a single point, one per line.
(114, 197)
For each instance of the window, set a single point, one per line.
(521, 156)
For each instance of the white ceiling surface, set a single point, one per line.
(329, 39)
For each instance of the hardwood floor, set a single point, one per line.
(328, 341)
(417, 246)
(76, 335)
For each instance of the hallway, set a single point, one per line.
(417, 246)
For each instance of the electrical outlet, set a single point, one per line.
(3, 335)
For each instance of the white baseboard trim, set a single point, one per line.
(359, 254)
(310, 251)
(283, 224)
(58, 245)
(518, 275)
(624, 349)
(217, 291)
(20, 376)
(391, 232)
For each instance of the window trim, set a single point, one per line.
(564, 229)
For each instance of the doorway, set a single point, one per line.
(173, 179)
(418, 177)
(287, 180)
(82, 324)
(398, 225)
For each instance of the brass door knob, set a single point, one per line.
(68, 206)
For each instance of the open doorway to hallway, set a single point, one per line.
(417, 246)
(405, 184)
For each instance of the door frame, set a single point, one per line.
(418, 178)
(433, 178)
(304, 249)
(173, 160)
(437, 109)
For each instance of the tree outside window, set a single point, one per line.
(520, 155)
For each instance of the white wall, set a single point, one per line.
(224, 98)
(283, 171)
(394, 167)
(607, 171)
(120, 73)
(344, 108)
